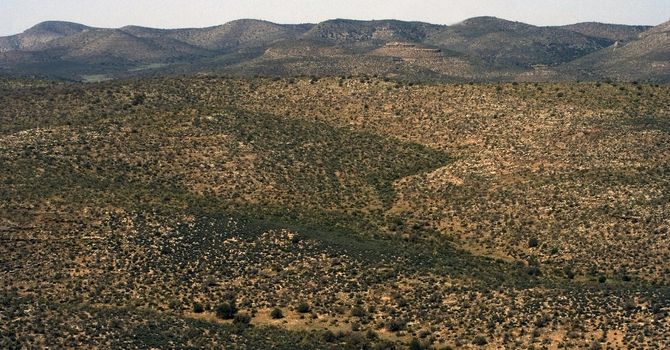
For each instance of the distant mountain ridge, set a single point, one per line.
(505, 43)
(646, 58)
(477, 49)
(35, 37)
(614, 32)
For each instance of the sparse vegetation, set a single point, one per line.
(216, 208)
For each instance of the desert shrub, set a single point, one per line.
(358, 311)
(174, 304)
(276, 314)
(198, 308)
(138, 100)
(533, 242)
(533, 270)
(480, 340)
(303, 308)
(629, 306)
(355, 341)
(242, 319)
(415, 344)
(226, 310)
(328, 336)
(542, 321)
(395, 325)
(536, 333)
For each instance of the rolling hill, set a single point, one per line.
(334, 213)
(507, 44)
(239, 34)
(646, 58)
(477, 49)
(369, 33)
(614, 32)
(35, 37)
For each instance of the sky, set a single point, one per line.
(18, 15)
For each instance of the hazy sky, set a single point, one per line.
(18, 15)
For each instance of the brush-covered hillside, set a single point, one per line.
(334, 213)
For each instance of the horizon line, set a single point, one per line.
(332, 19)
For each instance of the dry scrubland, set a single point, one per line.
(181, 212)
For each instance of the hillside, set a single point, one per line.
(508, 44)
(369, 33)
(647, 58)
(613, 32)
(477, 49)
(35, 37)
(334, 213)
(239, 34)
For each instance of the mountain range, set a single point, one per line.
(477, 49)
